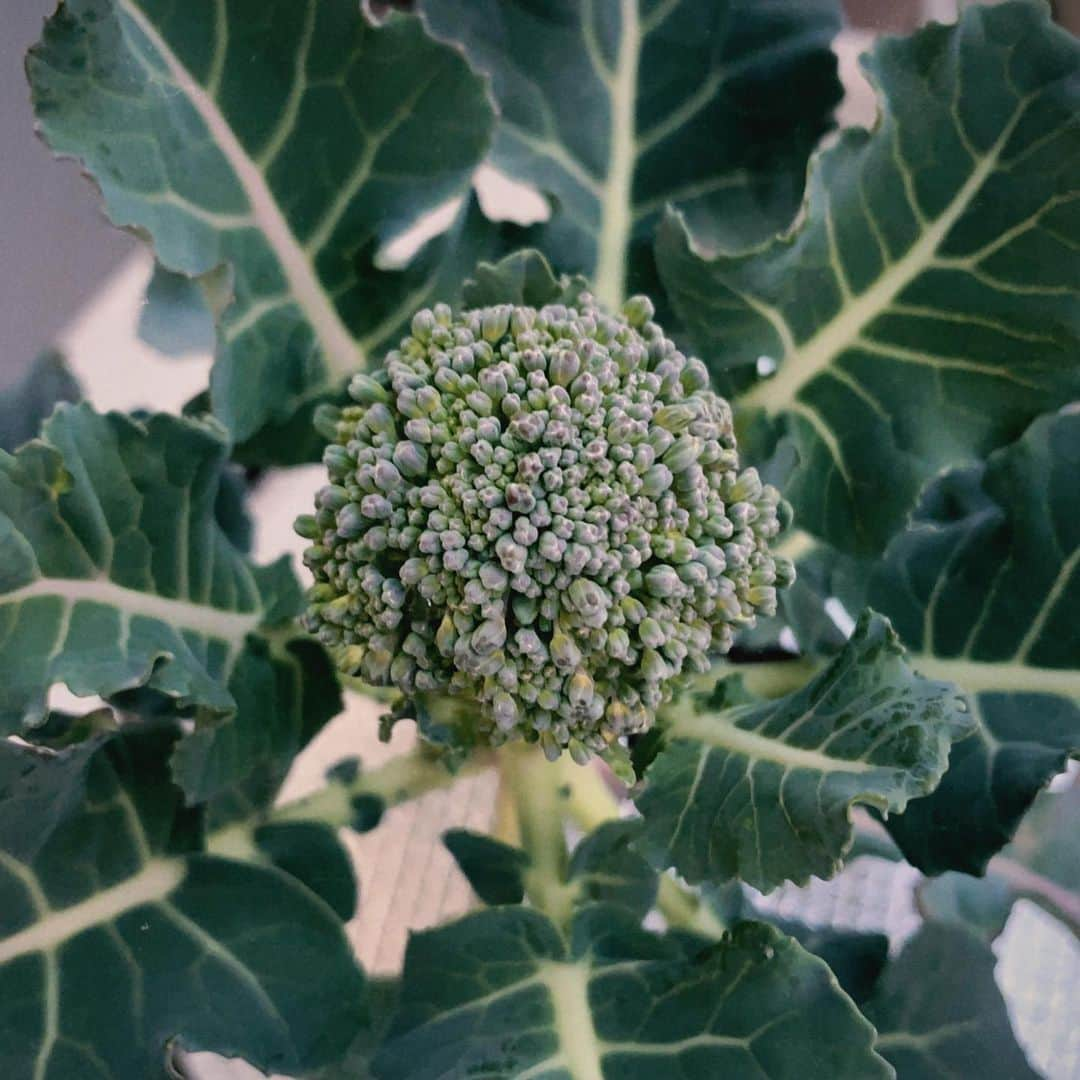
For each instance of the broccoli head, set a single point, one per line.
(541, 510)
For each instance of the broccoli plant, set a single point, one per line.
(735, 527)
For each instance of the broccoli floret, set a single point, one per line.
(542, 510)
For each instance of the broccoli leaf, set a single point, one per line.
(606, 868)
(524, 277)
(1045, 845)
(939, 1012)
(285, 691)
(312, 853)
(982, 905)
(496, 871)
(286, 140)
(856, 958)
(984, 590)
(1042, 864)
(115, 939)
(179, 313)
(501, 994)
(764, 791)
(115, 575)
(380, 1003)
(615, 108)
(26, 404)
(925, 311)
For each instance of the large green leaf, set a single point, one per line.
(285, 691)
(926, 309)
(939, 1012)
(380, 1004)
(501, 994)
(286, 139)
(115, 574)
(764, 791)
(616, 107)
(855, 957)
(117, 938)
(179, 313)
(984, 590)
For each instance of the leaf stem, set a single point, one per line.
(768, 679)
(399, 780)
(1026, 884)
(533, 783)
(590, 802)
(1029, 884)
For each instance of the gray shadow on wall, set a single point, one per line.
(55, 244)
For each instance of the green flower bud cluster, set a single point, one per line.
(542, 510)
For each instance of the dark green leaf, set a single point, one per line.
(115, 575)
(112, 943)
(856, 959)
(1045, 841)
(1041, 864)
(312, 853)
(230, 509)
(113, 572)
(939, 1012)
(284, 691)
(617, 107)
(764, 791)
(986, 595)
(500, 994)
(288, 141)
(926, 310)
(496, 871)
(605, 868)
(381, 1002)
(26, 404)
(179, 313)
(525, 277)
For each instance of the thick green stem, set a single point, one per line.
(399, 780)
(686, 910)
(533, 782)
(769, 679)
(591, 803)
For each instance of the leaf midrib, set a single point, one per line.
(1003, 677)
(804, 363)
(568, 987)
(719, 732)
(156, 880)
(203, 619)
(617, 219)
(339, 349)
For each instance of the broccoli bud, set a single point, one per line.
(541, 510)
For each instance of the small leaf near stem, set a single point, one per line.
(589, 801)
(401, 779)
